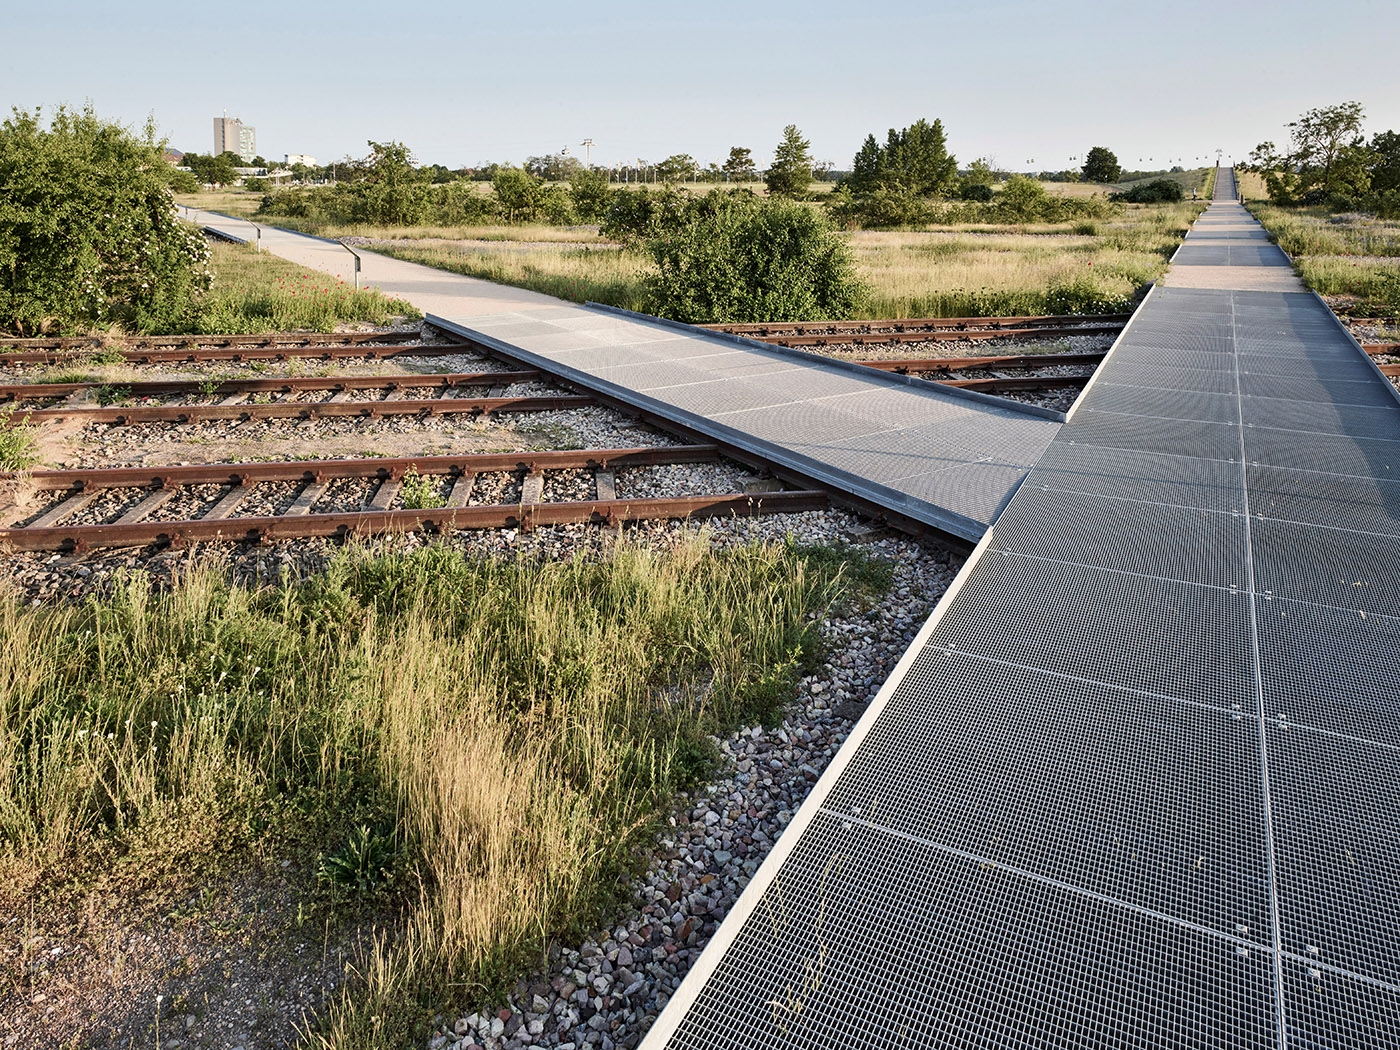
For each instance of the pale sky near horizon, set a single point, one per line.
(1027, 84)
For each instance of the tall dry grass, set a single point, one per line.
(517, 724)
(1352, 254)
(579, 274)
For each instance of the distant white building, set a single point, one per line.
(231, 135)
(288, 159)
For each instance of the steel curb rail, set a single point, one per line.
(987, 400)
(958, 526)
(703, 968)
(954, 323)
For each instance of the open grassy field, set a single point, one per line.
(231, 201)
(1197, 179)
(1081, 267)
(258, 292)
(1352, 258)
(476, 748)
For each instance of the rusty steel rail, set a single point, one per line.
(909, 365)
(936, 335)
(796, 328)
(77, 538)
(235, 352)
(137, 342)
(218, 523)
(279, 385)
(992, 384)
(438, 406)
(381, 469)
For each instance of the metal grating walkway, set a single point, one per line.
(1135, 783)
(929, 453)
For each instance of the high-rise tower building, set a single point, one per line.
(231, 135)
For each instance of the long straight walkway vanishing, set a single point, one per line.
(940, 456)
(1136, 782)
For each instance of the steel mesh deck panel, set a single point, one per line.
(914, 962)
(1136, 784)
(927, 453)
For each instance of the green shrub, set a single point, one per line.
(591, 194)
(731, 257)
(1023, 199)
(88, 233)
(1158, 191)
(880, 208)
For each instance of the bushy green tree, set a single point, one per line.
(867, 167)
(890, 185)
(738, 166)
(676, 168)
(1023, 198)
(214, 171)
(635, 215)
(591, 193)
(791, 171)
(1385, 161)
(1327, 156)
(1157, 191)
(518, 193)
(1101, 165)
(555, 167)
(976, 183)
(393, 190)
(916, 159)
(737, 257)
(88, 232)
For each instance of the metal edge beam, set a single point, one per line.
(703, 968)
(958, 526)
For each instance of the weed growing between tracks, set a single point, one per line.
(495, 737)
(19, 442)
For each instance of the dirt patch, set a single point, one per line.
(150, 956)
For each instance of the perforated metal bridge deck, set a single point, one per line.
(928, 453)
(1135, 783)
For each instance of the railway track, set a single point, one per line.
(287, 340)
(302, 410)
(236, 352)
(16, 393)
(122, 507)
(42, 402)
(140, 514)
(926, 329)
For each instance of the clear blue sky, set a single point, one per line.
(465, 82)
